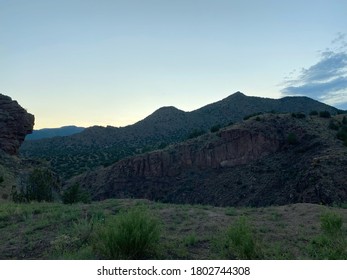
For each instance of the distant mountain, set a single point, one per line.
(53, 132)
(97, 146)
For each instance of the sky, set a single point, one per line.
(114, 62)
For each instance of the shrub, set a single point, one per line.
(333, 125)
(17, 197)
(299, 115)
(162, 145)
(332, 243)
(230, 211)
(342, 134)
(133, 235)
(215, 128)
(324, 248)
(344, 120)
(75, 194)
(191, 240)
(252, 115)
(196, 133)
(331, 224)
(324, 114)
(292, 138)
(313, 113)
(240, 242)
(40, 186)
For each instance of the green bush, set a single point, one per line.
(342, 134)
(292, 139)
(162, 145)
(75, 194)
(132, 235)
(41, 184)
(299, 115)
(239, 242)
(324, 114)
(333, 125)
(313, 113)
(196, 133)
(190, 240)
(331, 224)
(17, 196)
(252, 115)
(40, 187)
(324, 248)
(215, 128)
(332, 243)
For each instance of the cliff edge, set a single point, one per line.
(15, 124)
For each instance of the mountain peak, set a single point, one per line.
(167, 109)
(238, 94)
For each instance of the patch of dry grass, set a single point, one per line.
(52, 230)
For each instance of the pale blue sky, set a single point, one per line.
(103, 62)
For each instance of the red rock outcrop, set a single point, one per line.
(15, 124)
(234, 147)
(271, 159)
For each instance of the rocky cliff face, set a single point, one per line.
(15, 124)
(229, 148)
(258, 162)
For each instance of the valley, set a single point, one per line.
(242, 178)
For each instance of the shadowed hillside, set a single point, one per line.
(102, 146)
(271, 159)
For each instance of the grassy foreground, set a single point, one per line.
(135, 229)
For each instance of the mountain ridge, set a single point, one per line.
(43, 133)
(97, 146)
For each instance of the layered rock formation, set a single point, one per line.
(231, 147)
(15, 124)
